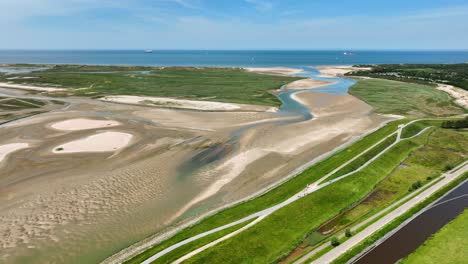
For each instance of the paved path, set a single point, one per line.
(264, 213)
(357, 238)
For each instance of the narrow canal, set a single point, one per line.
(412, 235)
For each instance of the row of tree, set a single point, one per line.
(462, 123)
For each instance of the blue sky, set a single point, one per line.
(233, 24)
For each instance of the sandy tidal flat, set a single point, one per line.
(172, 103)
(10, 148)
(306, 84)
(31, 87)
(276, 71)
(102, 142)
(83, 124)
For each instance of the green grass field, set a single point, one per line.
(394, 97)
(449, 245)
(215, 84)
(427, 161)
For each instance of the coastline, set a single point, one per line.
(170, 138)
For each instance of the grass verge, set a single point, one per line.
(395, 223)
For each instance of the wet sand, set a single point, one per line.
(306, 84)
(83, 124)
(83, 207)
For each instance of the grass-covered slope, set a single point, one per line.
(215, 84)
(448, 246)
(394, 97)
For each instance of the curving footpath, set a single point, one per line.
(264, 213)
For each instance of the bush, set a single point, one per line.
(348, 232)
(463, 123)
(335, 242)
(448, 167)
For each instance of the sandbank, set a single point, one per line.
(83, 124)
(31, 87)
(172, 103)
(306, 84)
(102, 142)
(9, 148)
(460, 95)
(276, 70)
(334, 71)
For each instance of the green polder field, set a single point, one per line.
(447, 246)
(232, 85)
(403, 98)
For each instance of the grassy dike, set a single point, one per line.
(276, 195)
(396, 222)
(279, 233)
(448, 245)
(423, 165)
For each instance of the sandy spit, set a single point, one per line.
(10, 148)
(276, 70)
(83, 124)
(31, 87)
(460, 95)
(334, 71)
(306, 84)
(172, 103)
(102, 142)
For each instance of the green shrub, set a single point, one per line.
(335, 242)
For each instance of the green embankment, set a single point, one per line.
(280, 193)
(181, 251)
(215, 84)
(424, 164)
(394, 97)
(279, 233)
(449, 245)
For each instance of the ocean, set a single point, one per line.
(240, 58)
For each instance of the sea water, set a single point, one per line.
(239, 58)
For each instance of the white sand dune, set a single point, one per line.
(31, 87)
(275, 70)
(172, 103)
(334, 71)
(102, 142)
(460, 95)
(83, 124)
(9, 148)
